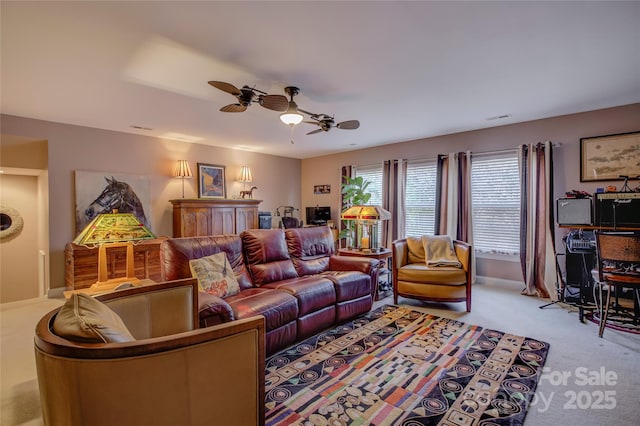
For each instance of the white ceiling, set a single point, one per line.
(406, 70)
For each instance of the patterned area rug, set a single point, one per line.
(397, 366)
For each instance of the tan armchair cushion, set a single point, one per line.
(215, 275)
(421, 273)
(83, 318)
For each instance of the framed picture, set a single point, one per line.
(211, 181)
(609, 157)
(103, 192)
(322, 189)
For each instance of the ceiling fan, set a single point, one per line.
(247, 95)
(293, 115)
(326, 122)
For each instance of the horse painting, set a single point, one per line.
(118, 196)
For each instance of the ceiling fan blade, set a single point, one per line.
(312, 122)
(274, 102)
(348, 125)
(226, 87)
(233, 108)
(315, 131)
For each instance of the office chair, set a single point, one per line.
(291, 222)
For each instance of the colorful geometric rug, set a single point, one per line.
(397, 366)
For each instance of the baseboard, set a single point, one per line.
(500, 282)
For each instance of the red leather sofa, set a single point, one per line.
(292, 277)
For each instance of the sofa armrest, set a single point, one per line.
(354, 263)
(213, 310)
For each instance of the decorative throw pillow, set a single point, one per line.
(83, 318)
(438, 251)
(416, 250)
(215, 275)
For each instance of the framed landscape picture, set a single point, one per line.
(211, 181)
(609, 157)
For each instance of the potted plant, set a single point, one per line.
(354, 192)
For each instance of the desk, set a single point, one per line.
(384, 287)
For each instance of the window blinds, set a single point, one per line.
(420, 198)
(495, 198)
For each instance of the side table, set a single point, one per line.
(384, 287)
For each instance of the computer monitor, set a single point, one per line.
(318, 215)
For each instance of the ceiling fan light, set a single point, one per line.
(291, 116)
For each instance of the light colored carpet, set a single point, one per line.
(577, 354)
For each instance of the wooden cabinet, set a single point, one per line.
(205, 216)
(81, 263)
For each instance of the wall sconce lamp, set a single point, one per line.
(182, 171)
(366, 217)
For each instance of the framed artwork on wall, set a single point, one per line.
(103, 192)
(322, 189)
(211, 181)
(609, 157)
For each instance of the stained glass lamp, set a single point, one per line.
(111, 230)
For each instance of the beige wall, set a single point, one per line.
(19, 256)
(566, 130)
(280, 180)
(73, 148)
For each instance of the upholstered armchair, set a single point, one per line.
(143, 361)
(432, 268)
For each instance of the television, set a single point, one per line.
(318, 215)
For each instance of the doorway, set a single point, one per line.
(23, 254)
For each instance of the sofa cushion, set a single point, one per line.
(277, 307)
(215, 275)
(312, 292)
(267, 256)
(85, 319)
(310, 248)
(175, 254)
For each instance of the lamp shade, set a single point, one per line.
(182, 170)
(245, 174)
(365, 212)
(291, 116)
(112, 228)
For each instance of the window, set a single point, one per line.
(420, 198)
(495, 199)
(373, 174)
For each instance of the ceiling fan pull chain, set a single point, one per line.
(292, 126)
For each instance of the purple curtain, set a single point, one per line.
(537, 241)
(440, 226)
(394, 175)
